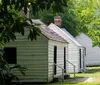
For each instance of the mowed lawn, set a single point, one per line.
(91, 77)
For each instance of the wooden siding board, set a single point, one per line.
(73, 47)
(60, 57)
(92, 53)
(73, 57)
(33, 55)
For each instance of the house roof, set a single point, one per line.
(37, 21)
(64, 33)
(71, 37)
(47, 32)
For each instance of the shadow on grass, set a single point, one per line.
(77, 80)
(67, 81)
(93, 70)
(29, 83)
(51, 83)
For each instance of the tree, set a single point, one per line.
(13, 20)
(88, 18)
(94, 32)
(47, 16)
(95, 36)
(79, 16)
(70, 21)
(75, 18)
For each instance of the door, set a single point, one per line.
(80, 57)
(65, 59)
(55, 59)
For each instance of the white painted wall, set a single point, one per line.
(92, 53)
(73, 57)
(34, 56)
(37, 56)
(73, 49)
(60, 57)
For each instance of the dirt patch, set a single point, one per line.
(77, 80)
(97, 79)
(89, 80)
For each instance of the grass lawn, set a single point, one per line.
(91, 77)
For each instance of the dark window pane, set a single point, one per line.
(10, 55)
(55, 59)
(65, 59)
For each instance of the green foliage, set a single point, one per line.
(84, 10)
(95, 36)
(75, 18)
(79, 16)
(70, 22)
(46, 16)
(83, 16)
(56, 5)
(70, 17)
(87, 14)
(13, 20)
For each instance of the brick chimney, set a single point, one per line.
(57, 21)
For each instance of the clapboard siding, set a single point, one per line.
(92, 53)
(73, 48)
(60, 57)
(73, 56)
(33, 55)
(37, 56)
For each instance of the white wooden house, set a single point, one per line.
(38, 56)
(92, 53)
(75, 50)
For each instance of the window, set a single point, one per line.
(10, 55)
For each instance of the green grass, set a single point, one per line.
(92, 72)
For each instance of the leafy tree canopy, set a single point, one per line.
(13, 20)
(79, 16)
